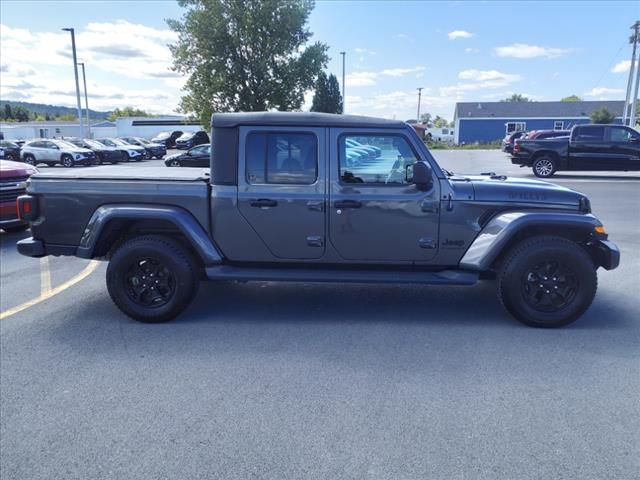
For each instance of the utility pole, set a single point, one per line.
(627, 113)
(75, 70)
(86, 100)
(636, 39)
(419, 99)
(344, 99)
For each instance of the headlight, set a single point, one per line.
(78, 157)
(133, 152)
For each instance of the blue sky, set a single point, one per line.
(457, 51)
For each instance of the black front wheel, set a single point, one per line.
(547, 281)
(152, 278)
(66, 161)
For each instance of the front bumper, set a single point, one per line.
(606, 254)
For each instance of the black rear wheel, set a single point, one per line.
(30, 159)
(152, 278)
(547, 281)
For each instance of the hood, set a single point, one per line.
(155, 145)
(15, 169)
(173, 156)
(499, 188)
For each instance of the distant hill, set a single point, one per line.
(53, 110)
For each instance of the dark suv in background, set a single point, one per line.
(168, 139)
(11, 151)
(191, 139)
(157, 150)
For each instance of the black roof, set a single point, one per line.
(300, 119)
(535, 109)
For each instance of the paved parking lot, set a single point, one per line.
(268, 380)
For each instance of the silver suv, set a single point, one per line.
(51, 152)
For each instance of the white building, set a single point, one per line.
(146, 127)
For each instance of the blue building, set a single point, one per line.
(486, 122)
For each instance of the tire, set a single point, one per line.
(66, 161)
(177, 277)
(16, 229)
(175, 163)
(97, 161)
(544, 166)
(30, 159)
(125, 157)
(547, 281)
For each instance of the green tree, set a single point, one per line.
(21, 114)
(245, 55)
(327, 97)
(126, 112)
(516, 97)
(440, 122)
(602, 115)
(8, 114)
(67, 117)
(571, 98)
(425, 118)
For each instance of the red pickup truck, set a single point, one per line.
(13, 183)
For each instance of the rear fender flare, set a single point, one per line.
(183, 220)
(501, 229)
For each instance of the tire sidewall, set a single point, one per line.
(544, 158)
(66, 161)
(30, 159)
(180, 265)
(513, 273)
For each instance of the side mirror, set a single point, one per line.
(421, 175)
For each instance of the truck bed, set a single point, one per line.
(69, 197)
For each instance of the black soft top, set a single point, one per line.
(300, 119)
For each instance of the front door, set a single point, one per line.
(624, 143)
(281, 189)
(376, 214)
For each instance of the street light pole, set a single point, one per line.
(344, 99)
(86, 99)
(75, 70)
(627, 101)
(632, 116)
(419, 99)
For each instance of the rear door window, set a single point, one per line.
(590, 134)
(281, 158)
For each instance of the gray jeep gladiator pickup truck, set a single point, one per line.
(308, 197)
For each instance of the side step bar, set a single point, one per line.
(313, 275)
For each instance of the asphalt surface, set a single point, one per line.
(285, 381)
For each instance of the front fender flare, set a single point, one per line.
(179, 217)
(493, 238)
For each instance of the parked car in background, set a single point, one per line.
(157, 150)
(168, 139)
(9, 150)
(442, 134)
(376, 151)
(129, 152)
(509, 140)
(199, 156)
(191, 139)
(51, 152)
(104, 154)
(590, 147)
(542, 134)
(13, 183)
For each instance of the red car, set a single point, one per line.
(13, 183)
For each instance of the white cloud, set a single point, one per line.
(471, 50)
(361, 79)
(523, 50)
(622, 67)
(364, 51)
(487, 75)
(401, 72)
(459, 34)
(604, 93)
(367, 79)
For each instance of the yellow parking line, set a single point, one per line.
(88, 270)
(45, 276)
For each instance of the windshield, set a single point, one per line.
(94, 144)
(122, 143)
(141, 140)
(186, 136)
(77, 143)
(66, 144)
(107, 142)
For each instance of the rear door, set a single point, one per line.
(588, 149)
(376, 214)
(281, 188)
